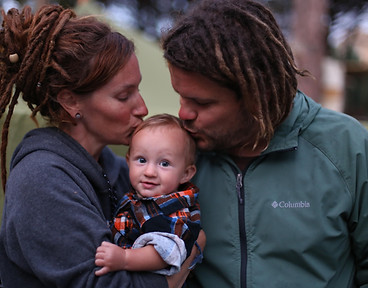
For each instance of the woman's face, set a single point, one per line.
(111, 113)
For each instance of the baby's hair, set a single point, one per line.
(239, 45)
(52, 50)
(169, 121)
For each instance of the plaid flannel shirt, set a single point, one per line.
(177, 213)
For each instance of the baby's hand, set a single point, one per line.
(110, 257)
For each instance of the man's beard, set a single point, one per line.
(228, 141)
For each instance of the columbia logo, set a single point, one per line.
(275, 204)
(289, 204)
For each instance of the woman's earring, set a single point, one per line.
(78, 116)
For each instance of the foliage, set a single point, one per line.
(151, 15)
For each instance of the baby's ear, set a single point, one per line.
(188, 174)
(127, 158)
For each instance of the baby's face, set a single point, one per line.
(157, 161)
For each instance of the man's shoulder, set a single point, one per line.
(329, 125)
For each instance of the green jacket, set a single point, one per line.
(298, 216)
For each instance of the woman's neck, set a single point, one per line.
(83, 138)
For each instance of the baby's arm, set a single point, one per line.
(112, 258)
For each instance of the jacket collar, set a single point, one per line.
(287, 134)
(302, 114)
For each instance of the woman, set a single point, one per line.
(64, 182)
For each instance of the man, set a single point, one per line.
(289, 177)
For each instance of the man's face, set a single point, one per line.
(213, 114)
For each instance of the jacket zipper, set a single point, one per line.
(239, 188)
(242, 232)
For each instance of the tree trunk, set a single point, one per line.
(309, 32)
(40, 3)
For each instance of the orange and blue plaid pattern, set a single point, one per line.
(176, 213)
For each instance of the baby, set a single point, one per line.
(159, 218)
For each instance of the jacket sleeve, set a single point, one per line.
(54, 224)
(358, 222)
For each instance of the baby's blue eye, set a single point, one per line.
(141, 160)
(165, 164)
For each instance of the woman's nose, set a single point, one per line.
(140, 109)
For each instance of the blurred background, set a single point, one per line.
(328, 37)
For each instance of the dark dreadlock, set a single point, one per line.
(239, 45)
(42, 54)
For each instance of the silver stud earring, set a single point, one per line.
(78, 116)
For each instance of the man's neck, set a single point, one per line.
(242, 162)
(244, 156)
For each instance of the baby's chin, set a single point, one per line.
(147, 194)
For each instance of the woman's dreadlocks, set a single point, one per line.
(42, 54)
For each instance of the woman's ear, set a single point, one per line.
(188, 174)
(68, 100)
